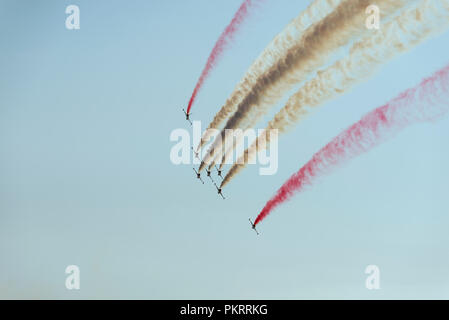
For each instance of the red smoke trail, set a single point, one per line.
(426, 102)
(227, 36)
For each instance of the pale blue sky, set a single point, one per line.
(86, 179)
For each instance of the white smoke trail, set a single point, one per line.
(317, 44)
(411, 28)
(272, 54)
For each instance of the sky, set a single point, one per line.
(86, 178)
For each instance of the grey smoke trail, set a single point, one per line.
(408, 30)
(318, 43)
(272, 54)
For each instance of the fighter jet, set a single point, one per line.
(219, 172)
(187, 116)
(253, 226)
(219, 191)
(208, 174)
(198, 175)
(197, 154)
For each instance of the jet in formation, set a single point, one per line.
(253, 226)
(219, 172)
(187, 116)
(198, 175)
(219, 191)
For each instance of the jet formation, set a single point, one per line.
(208, 172)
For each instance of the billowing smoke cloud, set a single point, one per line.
(426, 102)
(315, 48)
(225, 38)
(411, 28)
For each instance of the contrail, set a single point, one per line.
(425, 103)
(219, 47)
(403, 33)
(314, 50)
(272, 54)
